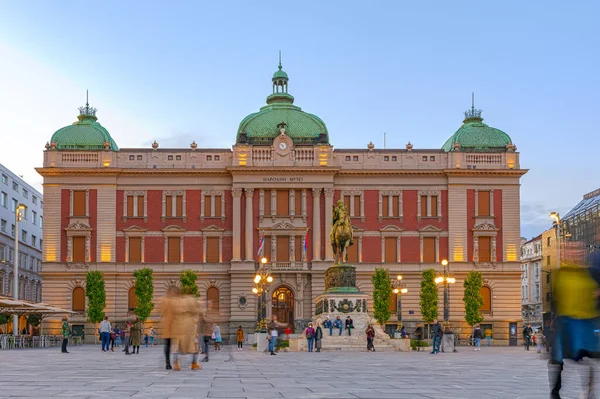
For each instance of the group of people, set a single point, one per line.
(338, 324)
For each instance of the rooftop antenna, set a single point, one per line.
(472, 100)
(87, 103)
(279, 59)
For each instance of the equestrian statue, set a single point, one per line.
(341, 232)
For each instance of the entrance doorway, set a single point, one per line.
(283, 306)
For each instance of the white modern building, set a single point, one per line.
(531, 280)
(14, 191)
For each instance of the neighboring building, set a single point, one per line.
(549, 263)
(117, 210)
(582, 223)
(532, 280)
(15, 191)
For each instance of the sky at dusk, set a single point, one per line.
(192, 70)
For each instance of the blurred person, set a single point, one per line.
(370, 331)
(318, 338)
(166, 325)
(66, 333)
(136, 334)
(206, 330)
(240, 338)
(217, 337)
(104, 331)
(539, 339)
(151, 336)
(527, 331)
(186, 312)
(437, 336)
(113, 337)
(575, 306)
(477, 335)
(488, 336)
(127, 332)
(403, 332)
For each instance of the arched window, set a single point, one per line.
(486, 294)
(131, 299)
(78, 300)
(212, 299)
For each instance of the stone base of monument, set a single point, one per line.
(353, 304)
(448, 343)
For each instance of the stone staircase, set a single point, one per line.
(354, 343)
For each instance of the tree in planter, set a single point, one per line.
(187, 278)
(96, 295)
(382, 292)
(472, 298)
(4, 319)
(144, 292)
(428, 297)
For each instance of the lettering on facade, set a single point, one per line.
(283, 179)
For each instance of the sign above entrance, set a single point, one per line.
(283, 179)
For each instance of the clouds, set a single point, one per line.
(535, 217)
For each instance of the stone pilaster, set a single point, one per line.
(328, 216)
(249, 219)
(237, 223)
(316, 225)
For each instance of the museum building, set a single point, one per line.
(169, 209)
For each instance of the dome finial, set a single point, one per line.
(280, 67)
(473, 114)
(87, 111)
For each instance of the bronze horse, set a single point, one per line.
(341, 232)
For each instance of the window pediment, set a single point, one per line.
(430, 229)
(485, 227)
(134, 231)
(78, 225)
(391, 228)
(173, 231)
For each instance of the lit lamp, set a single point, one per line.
(18, 217)
(446, 278)
(556, 217)
(399, 290)
(261, 279)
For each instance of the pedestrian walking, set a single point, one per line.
(539, 339)
(105, 331)
(240, 338)
(185, 329)
(318, 338)
(206, 330)
(272, 335)
(310, 336)
(66, 333)
(127, 331)
(477, 335)
(370, 331)
(527, 332)
(113, 337)
(152, 336)
(349, 325)
(166, 326)
(488, 337)
(217, 337)
(437, 336)
(136, 334)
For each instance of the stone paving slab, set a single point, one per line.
(87, 372)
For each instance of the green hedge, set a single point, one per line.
(415, 343)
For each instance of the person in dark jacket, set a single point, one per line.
(419, 336)
(349, 325)
(370, 338)
(318, 338)
(437, 336)
(477, 335)
(527, 331)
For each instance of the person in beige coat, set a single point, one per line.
(184, 328)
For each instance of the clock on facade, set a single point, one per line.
(282, 146)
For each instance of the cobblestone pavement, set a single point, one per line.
(89, 373)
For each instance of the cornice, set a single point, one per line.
(282, 170)
(129, 172)
(486, 172)
(391, 172)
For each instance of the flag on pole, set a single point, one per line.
(261, 244)
(306, 242)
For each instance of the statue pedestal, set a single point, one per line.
(343, 304)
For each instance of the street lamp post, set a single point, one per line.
(446, 278)
(399, 290)
(18, 218)
(261, 279)
(556, 217)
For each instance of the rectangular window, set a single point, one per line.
(3, 226)
(209, 157)
(212, 249)
(25, 193)
(267, 198)
(132, 157)
(135, 249)
(434, 204)
(2, 254)
(429, 250)
(217, 157)
(548, 260)
(432, 159)
(41, 222)
(140, 206)
(386, 158)
(283, 249)
(355, 158)
(283, 202)
(23, 235)
(485, 249)
(391, 255)
(395, 205)
(12, 230)
(4, 179)
(347, 158)
(298, 249)
(352, 252)
(178, 157)
(423, 205)
(356, 200)
(34, 217)
(33, 240)
(170, 157)
(549, 241)
(267, 253)
(14, 205)
(79, 249)
(130, 199)
(385, 204)
(298, 199)
(207, 212)
(179, 206)
(347, 202)
(3, 199)
(79, 203)
(217, 206)
(139, 158)
(169, 206)
(173, 253)
(483, 203)
(34, 199)
(15, 186)
(394, 158)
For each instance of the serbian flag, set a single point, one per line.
(306, 242)
(261, 244)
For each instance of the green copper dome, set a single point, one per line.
(281, 113)
(476, 136)
(85, 134)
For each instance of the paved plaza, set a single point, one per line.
(88, 373)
